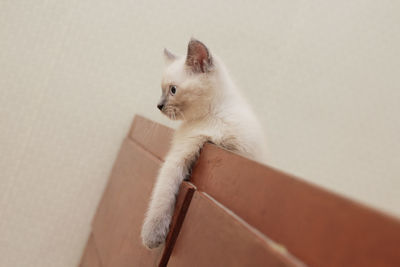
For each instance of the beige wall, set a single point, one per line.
(323, 77)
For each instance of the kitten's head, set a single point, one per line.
(187, 83)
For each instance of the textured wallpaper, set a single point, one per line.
(322, 76)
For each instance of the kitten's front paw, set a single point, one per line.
(155, 230)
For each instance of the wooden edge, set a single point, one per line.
(358, 204)
(182, 204)
(152, 136)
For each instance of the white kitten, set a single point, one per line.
(198, 90)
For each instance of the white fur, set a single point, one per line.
(214, 111)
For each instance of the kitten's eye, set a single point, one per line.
(172, 89)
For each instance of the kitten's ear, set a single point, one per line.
(169, 57)
(198, 57)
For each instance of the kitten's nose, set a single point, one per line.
(160, 106)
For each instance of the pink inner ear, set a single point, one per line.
(200, 52)
(198, 57)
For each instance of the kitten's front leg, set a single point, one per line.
(173, 172)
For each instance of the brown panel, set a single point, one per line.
(213, 236)
(90, 258)
(153, 136)
(319, 227)
(121, 212)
